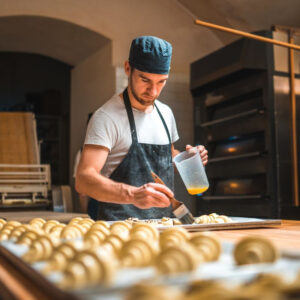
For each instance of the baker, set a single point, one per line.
(129, 136)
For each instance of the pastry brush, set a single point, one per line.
(179, 209)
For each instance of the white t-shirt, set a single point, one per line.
(109, 127)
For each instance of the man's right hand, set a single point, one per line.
(151, 195)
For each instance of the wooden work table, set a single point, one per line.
(284, 236)
(16, 285)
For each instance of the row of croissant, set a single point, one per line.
(89, 253)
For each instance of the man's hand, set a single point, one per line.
(151, 195)
(203, 152)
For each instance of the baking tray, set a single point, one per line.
(237, 223)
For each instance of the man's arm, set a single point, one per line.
(174, 151)
(90, 182)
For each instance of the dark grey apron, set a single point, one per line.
(135, 170)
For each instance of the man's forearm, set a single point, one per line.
(104, 189)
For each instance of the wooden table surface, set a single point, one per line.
(284, 236)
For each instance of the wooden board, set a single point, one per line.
(25, 217)
(18, 138)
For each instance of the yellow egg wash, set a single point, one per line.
(197, 190)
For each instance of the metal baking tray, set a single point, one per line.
(237, 223)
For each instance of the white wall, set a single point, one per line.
(93, 82)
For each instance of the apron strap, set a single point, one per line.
(131, 118)
(164, 123)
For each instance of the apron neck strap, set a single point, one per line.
(130, 116)
(164, 123)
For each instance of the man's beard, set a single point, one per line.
(139, 99)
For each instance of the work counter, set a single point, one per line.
(285, 236)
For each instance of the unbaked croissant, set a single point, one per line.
(251, 250)
(173, 236)
(207, 245)
(6, 231)
(57, 229)
(177, 258)
(37, 222)
(121, 228)
(96, 235)
(144, 231)
(7, 228)
(41, 248)
(17, 231)
(138, 252)
(28, 236)
(49, 224)
(62, 254)
(88, 269)
(113, 243)
(72, 231)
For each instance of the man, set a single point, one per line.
(131, 135)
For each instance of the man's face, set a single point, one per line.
(146, 87)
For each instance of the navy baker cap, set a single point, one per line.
(150, 54)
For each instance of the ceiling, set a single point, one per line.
(72, 32)
(244, 15)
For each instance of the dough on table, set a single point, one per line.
(176, 259)
(207, 244)
(255, 249)
(87, 269)
(173, 236)
(138, 253)
(145, 231)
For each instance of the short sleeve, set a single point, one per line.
(174, 132)
(101, 130)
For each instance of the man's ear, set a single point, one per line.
(127, 67)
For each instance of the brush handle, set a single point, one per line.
(175, 203)
(179, 209)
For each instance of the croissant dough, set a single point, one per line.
(251, 250)
(145, 231)
(87, 269)
(173, 236)
(176, 259)
(207, 245)
(88, 253)
(138, 253)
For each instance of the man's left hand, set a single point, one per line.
(203, 152)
